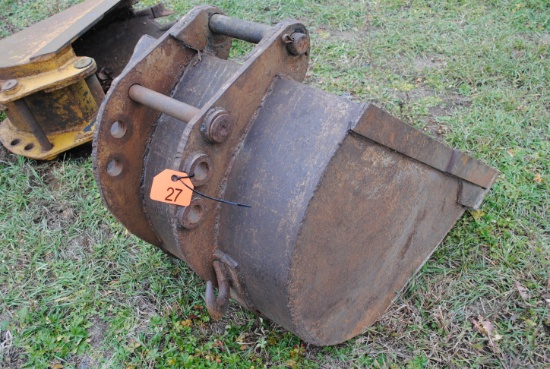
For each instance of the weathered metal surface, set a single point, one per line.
(338, 223)
(277, 171)
(403, 138)
(158, 70)
(111, 42)
(42, 41)
(297, 43)
(52, 66)
(33, 124)
(62, 76)
(237, 28)
(172, 143)
(64, 115)
(346, 201)
(217, 305)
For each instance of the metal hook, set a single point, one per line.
(217, 306)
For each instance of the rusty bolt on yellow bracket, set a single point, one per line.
(49, 88)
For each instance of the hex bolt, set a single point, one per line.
(83, 63)
(10, 86)
(297, 43)
(191, 216)
(199, 166)
(217, 125)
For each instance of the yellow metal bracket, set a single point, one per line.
(49, 89)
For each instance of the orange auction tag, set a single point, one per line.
(168, 187)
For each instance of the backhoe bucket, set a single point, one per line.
(53, 74)
(308, 209)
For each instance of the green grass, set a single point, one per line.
(77, 290)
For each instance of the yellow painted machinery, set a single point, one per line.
(53, 75)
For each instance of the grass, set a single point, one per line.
(78, 291)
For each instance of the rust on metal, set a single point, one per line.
(217, 306)
(346, 201)
(191, 216)
(49, 71)
(297, 43)
(199, 167)
(33, 124)
(158, 70)
(217, 125)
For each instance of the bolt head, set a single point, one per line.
(83, 63)
(217, 126)
(10, 85)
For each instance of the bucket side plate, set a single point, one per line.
(294, 136)
(374, 220)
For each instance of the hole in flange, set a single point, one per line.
(15, 142)
(201, 171)
(118, 129)
(114, 168)
(195, 214)
(29, 147)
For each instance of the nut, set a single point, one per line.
(83, 63)
(217, 125)
(297, 43)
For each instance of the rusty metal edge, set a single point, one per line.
(430, 152)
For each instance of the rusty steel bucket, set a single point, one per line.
(334, 204)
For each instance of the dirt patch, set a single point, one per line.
(86, 362)
(10, 356)
(344, 35)
(448, 102)
(50, 179)
(15, 358)
(57, 215)
(78, 248)
(6, 157)
(431, 62)
(97, 331)
(145, 309)
(415, 94)
(7, 26)
(233, 316)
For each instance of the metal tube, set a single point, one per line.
(238, 28)
(162, 103)
(95, 89)
(32, 123)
